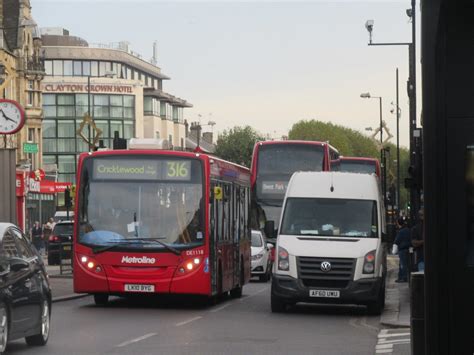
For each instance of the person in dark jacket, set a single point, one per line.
(403, 241)
(37, 237)
(418, 241)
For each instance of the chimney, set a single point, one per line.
(207, 137)
(186, 128)
(154, 59)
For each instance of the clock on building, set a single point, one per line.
(12, 116)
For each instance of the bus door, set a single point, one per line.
(236, 232)
(213, 234)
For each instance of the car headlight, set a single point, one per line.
(257, 257)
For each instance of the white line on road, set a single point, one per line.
(394, 341)
(393, 335)
(221, 308)
(384, 346)
(187, 321)
(143, 337)
(254, 294)
(384, 351)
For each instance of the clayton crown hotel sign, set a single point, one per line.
(94, 88)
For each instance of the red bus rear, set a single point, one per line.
(273, 164)
(162, 222)
(359, 165)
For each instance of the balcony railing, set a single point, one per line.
(33, 65)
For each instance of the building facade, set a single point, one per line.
(121, 92)
(23, 71)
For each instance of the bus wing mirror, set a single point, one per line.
(269, 229)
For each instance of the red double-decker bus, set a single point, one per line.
(273, 164)
(359, 165)
(163, 222)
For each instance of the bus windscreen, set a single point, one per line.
(131, 201)
(277, 162)
(359, 166)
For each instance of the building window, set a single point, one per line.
(57, 67)
(86, 68)
(31, 135)
(31, 98)
(77, 68)
(94, 69)
(67, 71)
(48, 67)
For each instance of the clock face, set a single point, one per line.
(12, 117)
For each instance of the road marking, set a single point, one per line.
(143, 337)
(393, 335)
(394, 341)
(187, 321)
(384, 351)
(221, 308)
(254, 294)
(383, 346)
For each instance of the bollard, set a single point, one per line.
(417, 308)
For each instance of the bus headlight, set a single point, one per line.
(90, 264)
(189, 265)
(283, 259)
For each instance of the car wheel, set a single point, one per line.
(43, 336)
(3, 328)
(278, 306)
(101, 299)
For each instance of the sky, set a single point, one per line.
(267, 64)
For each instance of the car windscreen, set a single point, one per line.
(360, 166)
(141, 198)
(277, 162)
(63, 229)
(330, 217)
(257, 240)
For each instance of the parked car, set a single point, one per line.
(62, 216)
(60, 242)
(261, 256)
(25, 294)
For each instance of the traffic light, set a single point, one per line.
(67, 198)
(416, 178)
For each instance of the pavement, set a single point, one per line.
(61, 284)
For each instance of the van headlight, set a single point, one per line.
(369, 263)
(283, 259)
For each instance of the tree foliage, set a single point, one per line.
(236, 144)
(352, 143)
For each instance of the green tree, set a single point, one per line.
(236, 144)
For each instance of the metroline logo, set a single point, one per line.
(135, 260)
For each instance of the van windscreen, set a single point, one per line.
(330, 217)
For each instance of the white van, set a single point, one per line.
(331, 242)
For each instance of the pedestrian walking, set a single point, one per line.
(37, 237)
(403, 242)
(47, 231)
(418, 241)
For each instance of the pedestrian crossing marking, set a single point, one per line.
(387, 338)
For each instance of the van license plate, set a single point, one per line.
(324, 293)
(139, 288)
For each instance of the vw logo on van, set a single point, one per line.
(326, 266)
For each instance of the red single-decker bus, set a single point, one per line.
(160, 222)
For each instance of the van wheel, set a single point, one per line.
(278, 306)
(376, 308)
(4, 322)
(101, 299)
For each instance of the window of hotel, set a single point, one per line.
(175, 113)
(148, 105)
(49, 159)
(128, 129)
(67, 68)
(116, 100)
(49, 128)
(94, 69)
(49, 99)
(129, 73)
(49, 111)
(101, 111)
(77, 68)
(48, 67)
(58, 67)
(116, 126)
(104, 126)
(114, 68)
(82, 99)
(101, 100)
(128, 101)
(65, 99)
(49, 145)
(86, 68)
(163, 109)
(66, 129)
(81, 111)
(119, 71)
(116, 112)
(103, 68)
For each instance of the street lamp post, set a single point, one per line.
(411, 88)
(382, 151)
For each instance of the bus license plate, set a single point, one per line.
(324, 293)
(139, 288)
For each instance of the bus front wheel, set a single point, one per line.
(101, 299)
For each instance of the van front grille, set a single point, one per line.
(339, 276)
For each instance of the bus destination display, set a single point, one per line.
(141, 169)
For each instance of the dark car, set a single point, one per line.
(60, 242)
(25, 295)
